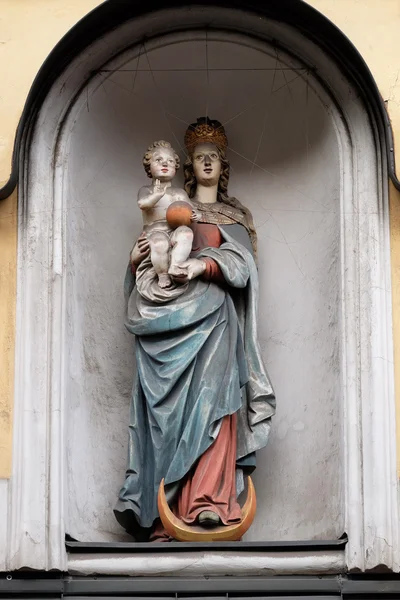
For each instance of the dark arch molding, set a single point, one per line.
(296, 13)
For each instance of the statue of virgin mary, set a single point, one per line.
(202, 401)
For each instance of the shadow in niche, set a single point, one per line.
(132, 547)
(258, 95)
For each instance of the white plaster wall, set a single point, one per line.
(293, 192)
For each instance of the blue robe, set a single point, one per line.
(198, 360)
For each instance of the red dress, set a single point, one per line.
(211, 483)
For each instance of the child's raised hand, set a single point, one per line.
(159, 188)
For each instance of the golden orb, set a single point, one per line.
(179, 213)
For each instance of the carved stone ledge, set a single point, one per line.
(218, 563)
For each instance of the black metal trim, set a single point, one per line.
(112, 13)
(134, 548)
(34, 583)
(366, 586)
(57, 585)
(209, 585)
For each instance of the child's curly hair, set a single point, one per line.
(149, 153)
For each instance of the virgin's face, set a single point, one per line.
(206, 164)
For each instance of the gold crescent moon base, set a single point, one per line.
(178, 530)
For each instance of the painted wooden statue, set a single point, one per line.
(202, 402)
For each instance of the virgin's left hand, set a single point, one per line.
(196, 216)
(195, 267)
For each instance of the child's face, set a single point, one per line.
(162, 164)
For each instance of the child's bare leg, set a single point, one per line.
(159, 249)
(181, 241)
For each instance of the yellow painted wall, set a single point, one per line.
(8, 249)
(29, 29)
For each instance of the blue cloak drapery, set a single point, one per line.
(198, 360)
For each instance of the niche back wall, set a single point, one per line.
(285, 158)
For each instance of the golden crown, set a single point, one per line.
(205, 131)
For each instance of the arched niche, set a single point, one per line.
(282, 135)
(311, 170)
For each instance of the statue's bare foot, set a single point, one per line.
(164, 281)
(177, 271)
(208, 518)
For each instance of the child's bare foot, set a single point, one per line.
(164, 280)
(177, 271)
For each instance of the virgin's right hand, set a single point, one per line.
(140, 250)
(195, 267)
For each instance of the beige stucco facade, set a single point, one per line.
(28, 33)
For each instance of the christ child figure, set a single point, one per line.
(169, 247)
